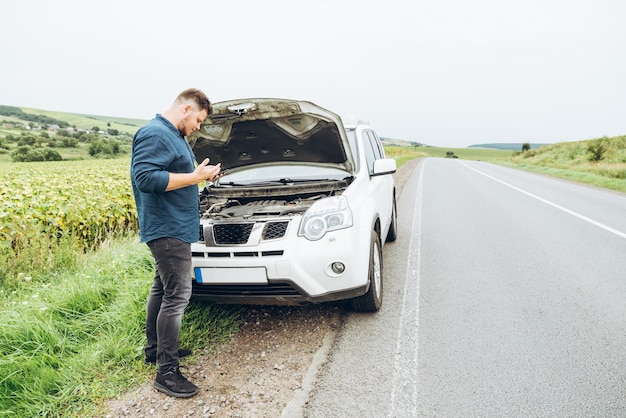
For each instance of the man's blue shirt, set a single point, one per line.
(158, 149)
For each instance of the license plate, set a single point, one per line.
(217, 275)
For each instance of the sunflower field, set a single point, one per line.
(83, 202)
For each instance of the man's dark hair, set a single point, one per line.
(198, 97)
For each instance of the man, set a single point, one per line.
(164, 180)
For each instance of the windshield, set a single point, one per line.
(282, 173)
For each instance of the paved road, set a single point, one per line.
(505, 295)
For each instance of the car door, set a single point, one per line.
(380, 186)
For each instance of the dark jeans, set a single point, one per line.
(169, 296)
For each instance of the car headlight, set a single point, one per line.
(329, 214)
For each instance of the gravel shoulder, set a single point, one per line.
(263, 371)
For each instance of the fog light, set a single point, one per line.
(338, 267)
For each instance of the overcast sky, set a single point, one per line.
(441, 72)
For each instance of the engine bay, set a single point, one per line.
(224, 203)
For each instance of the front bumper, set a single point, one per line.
(294, 270)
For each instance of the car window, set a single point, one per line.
(370, 155)
(379, 151)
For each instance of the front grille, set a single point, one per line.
(226, 234)
(239, 233)
(274, 230)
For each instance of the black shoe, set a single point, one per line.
(183, 352)
(175, 384)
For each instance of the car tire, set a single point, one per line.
(373, 299)
(393, 228)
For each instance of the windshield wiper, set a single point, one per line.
(282, 181)
(253, 183)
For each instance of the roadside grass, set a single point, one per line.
(596, 180)
(599, 162)
(72, 339)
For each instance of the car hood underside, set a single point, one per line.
(252, 132)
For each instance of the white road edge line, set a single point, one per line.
(547, 202)
(410, 272)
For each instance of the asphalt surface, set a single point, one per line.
(504, 296)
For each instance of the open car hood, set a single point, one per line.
(248, 132)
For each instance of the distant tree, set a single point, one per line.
(51, 155)
(26, 140)
(103, 148)
(40, 141)
(30, 154)
(525, 147)
(27, 153)
(10, 110)
(95, 129)
(113, 132)
(69, 142)
(90, 137)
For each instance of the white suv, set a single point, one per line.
(303, 211)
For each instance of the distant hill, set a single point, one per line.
(28, 135)
(400, 142)
(63, 119)
(506, 146)
(496, 146)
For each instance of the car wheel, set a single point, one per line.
(393, 228)
(373, 299)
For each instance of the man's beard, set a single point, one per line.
(181, 129)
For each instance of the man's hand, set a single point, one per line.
(203, 172)
(208, 172)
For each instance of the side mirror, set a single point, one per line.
(384, 166)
